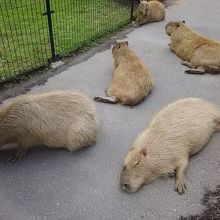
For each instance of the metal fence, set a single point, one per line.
(35, 32)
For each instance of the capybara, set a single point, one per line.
(131, 82)
(152, 11)
(179, 130)
(199, 53)
(58, 119)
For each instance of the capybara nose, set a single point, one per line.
(125, 186)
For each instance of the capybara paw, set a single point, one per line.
(97, 99)
(14, 159)
(171, 174)
(194, 71)
(180, 187)
(184, 62)
(112, 100)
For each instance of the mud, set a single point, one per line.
(211, 203)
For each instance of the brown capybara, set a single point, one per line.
(131, 82)
(199, 53)
(58, 119)
(179, 130)
(148, 12)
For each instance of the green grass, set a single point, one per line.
(24, 38)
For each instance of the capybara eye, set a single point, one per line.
(137, 163)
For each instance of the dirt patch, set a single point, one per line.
(211, 202)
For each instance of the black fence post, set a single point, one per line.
(132, 10)
(55, 57)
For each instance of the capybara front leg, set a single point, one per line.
(186, 63)
(198, 70)
(24, 143)
(180, 185)
(110, 100)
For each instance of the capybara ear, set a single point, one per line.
(183, 21)
(143, 151)
(126, 43)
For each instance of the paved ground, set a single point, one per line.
(85, 185)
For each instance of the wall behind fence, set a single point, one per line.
(24, 32)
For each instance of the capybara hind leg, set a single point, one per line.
(186, 63)
(111, 100)
(198, 70)
(180, 185)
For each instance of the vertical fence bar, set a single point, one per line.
(132, 10)
(55, 57)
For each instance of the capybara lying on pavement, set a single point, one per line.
(197, 52)
(148, 12)
(65, 119)
(179, 130)
(132, 81)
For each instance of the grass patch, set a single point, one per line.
(24, 38)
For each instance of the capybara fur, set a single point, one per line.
(131, 82)
(179, 130)
(199, 53)
(152, 11)
(58, 119)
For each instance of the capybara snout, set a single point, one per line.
(172, 26)
(130, 183)
(124, 183)
(135, 173)
(143, 7)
